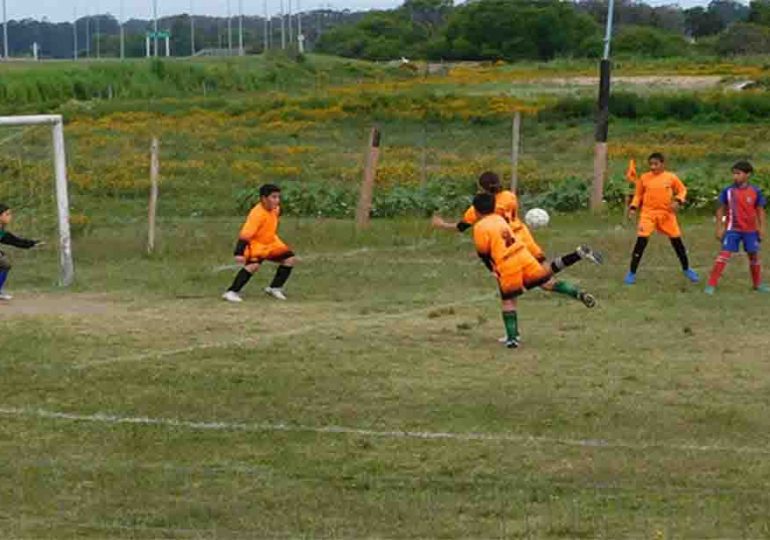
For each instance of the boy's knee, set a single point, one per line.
(291, 261)
(5, 263)
(251, 267)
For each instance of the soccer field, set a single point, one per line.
(377, 401)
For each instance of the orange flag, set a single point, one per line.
(631, 171)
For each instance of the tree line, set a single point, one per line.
(545, 29)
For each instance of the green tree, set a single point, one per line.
(648, 41)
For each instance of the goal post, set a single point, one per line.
(67, 268)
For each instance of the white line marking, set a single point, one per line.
(360, 321)
(258, 427)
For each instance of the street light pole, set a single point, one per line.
(283, 28)
(192, 29)
(122, 34)
(155, 26)
(6, 53)
(240, 28)
(602, 117)
(266, 44)
(75, 33)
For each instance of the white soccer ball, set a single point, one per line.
(537, 218)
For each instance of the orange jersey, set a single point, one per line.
(506, 205)
(261, 226)
(656, 192)
(494, 238)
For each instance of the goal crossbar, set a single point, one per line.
(67, 268)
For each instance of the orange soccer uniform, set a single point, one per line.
(507, 256)
(259, 237)
(654, 195)
(507, 206)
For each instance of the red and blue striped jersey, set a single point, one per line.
(742, 203)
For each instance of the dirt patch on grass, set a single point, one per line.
(680, 82)
(34, 305)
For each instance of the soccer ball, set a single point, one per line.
(537, 218)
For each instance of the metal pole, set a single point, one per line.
(229, 30)
(602, 117)
(299, 20)
(88, 36)
(6, 52)
(98, 36)
(240, 28)
(266, 43)
(75, 34)
(122, 34)
(283, 28)
(291, 27)
(62, 201)
(155, 25)
(192, 30)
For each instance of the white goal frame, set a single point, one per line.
(67, 268)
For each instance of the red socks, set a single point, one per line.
(756, 269)
(719, 267)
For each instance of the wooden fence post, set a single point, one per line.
(367, 185)
(153, 206)
(515, 146)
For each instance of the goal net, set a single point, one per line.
(33, 181)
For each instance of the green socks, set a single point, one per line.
(565, 287)
(511, 322)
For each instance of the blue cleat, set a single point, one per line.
(709, 290)
(762, 288)
(692, 275)
(630, 279)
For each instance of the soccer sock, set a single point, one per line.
(511, 322)
(565, 287)
(241, 279)
(681, 252)
(756, 269)
(560, 263)
(281, 275)
(719, 267)
(636, 255)
(3, 277)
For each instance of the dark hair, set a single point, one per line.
(484, 203)
(3, 208)
(658, 156)
(743, 166)
(490, 182)
(268, 189)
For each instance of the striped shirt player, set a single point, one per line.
(740, 222)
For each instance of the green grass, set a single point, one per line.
(645, 417)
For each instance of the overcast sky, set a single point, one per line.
(61, 10)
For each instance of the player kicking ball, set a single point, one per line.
(515, 268)
(258, 242)
(507, 207)
(6, 216)
(743, 206)
(658, 195)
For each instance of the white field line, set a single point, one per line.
(360, 321)
(259, 427)
(342, 254)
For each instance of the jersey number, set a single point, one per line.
(508, 238)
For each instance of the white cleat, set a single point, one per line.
(275, 293)
(232, 296)
(5, 296)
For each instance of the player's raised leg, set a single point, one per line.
(558, 264)
(241, 279)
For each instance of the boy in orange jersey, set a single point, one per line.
(515, 268)
(507, 206)
(257, 242)
(659, 195)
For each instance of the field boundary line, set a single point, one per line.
(259, 427)
(361, 320)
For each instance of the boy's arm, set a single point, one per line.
(762, 221)
(680, 193)
(15, 241)
(469, 218)
(721, 222)
(638, 196)
(248, 231)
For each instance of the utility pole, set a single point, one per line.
(122, 33)
(88, 36)
(602, 117)
(75, 33)
(299, 19)
(192, 29)
(283, 28)
(291, 28)
(155, 26)
(266, 42)
(6, 53)
(241, 52)
(229, 30)
(98, 36)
